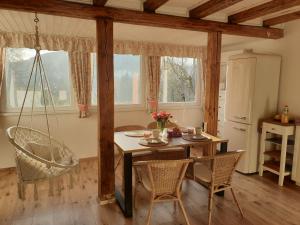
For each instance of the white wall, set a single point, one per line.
(289, 48)
(81, 134)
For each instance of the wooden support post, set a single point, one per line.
(212, 81)
(106, 182)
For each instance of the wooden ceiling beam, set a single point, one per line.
(211, 7)
(99, 2)
(281, 19)
(263, 9)
(85, 11)
(152, 5)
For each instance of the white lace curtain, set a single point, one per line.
(49, 42)
(80, 64)
(152, 67)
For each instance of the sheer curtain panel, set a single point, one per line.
(2, 63)
(152, 64)
(80, 63)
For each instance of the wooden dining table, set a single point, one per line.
(129, 145)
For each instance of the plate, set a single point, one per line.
(194, 138)
(153, 142)
(137, 133)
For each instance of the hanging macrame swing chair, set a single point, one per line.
(39, 156)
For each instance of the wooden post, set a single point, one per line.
(106, 176)
(212, 81)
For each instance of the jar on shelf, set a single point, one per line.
(285, 115)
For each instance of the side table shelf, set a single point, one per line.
(279, 158)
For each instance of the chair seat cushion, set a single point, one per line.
(44, 152)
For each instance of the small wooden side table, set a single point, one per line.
(278, 164)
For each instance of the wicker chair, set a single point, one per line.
(163, 179)
(215, 172)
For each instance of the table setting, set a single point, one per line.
(161, 135)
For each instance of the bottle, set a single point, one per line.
(284, 115)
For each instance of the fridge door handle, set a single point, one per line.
(239, 129)
(240, 117)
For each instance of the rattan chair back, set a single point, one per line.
(224, 166)
(129, 128)
(165, 175)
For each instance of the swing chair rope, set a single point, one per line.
(37, 48)
(33, 101)
(38, 67)
(26, 92)
(42, 70)
(49, 91)
(45, 108)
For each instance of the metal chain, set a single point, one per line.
(37, 35)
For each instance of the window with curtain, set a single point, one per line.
(18, 65)
(178, 80)
(127, 79)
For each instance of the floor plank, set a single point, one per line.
(261, 199)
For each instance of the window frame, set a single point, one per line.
(6, 109)
(141, 106)
(192, 104)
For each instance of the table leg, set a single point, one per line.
(223, 149)
(125, 202)
(190, 169)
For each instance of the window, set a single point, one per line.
(127, 79)
(18, 66)
(178, 79)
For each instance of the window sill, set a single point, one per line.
(59, 111)
(178, 105)
(123, 108)
(118, 108)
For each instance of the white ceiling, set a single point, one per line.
(182, 7)
(13, 21)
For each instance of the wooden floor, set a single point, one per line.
(262, 200)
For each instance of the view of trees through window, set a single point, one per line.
(18, 66)
(177, 83)
(127, 72)
(178, 79)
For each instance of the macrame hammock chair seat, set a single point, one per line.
(33, 154)
(38, 155)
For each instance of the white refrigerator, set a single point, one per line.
(251, 94)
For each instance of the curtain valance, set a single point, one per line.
(49, 42)
(77, 44)
(158, 49)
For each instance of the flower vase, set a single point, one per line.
(161, 125)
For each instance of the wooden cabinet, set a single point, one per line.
(240, 87)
